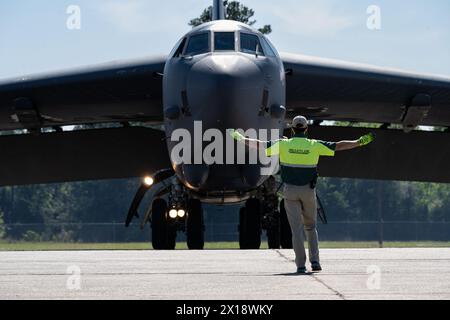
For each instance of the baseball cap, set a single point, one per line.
(300, 122)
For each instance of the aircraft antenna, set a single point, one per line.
(218, 10)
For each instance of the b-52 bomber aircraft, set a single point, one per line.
(222, 74)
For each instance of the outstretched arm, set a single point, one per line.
(348, 145)
(252, 143)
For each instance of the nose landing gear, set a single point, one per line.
(165, 226)
(172, 210)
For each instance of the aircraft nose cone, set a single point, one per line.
(227, 88)
(231, 67)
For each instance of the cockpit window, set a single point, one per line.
(250, 44)
(268, 48)
(224, 41)
(198, 44)
(179, 48)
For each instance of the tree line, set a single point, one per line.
(53, 206)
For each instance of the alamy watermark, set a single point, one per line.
(374, 19)
(73, 282)
(214, 147)
(374, 280)
(73, 21)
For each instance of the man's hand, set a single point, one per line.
(365, 140)
(236, 135)
(349, 145)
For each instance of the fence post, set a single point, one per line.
(380, 215)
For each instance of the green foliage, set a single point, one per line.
(31, 236)
(54, 212)
(234, 11)
(361, 200)
(356, 124)
(390, 126)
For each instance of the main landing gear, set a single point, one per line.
(264, 212)
(165, 225)
(178, 213)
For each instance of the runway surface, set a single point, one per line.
(253, 275)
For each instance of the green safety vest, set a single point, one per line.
(299, 157)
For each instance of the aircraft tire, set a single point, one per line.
(273, 236)
(162, 237)
(195, 230)
(250, 225)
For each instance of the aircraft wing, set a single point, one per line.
(324, 89)
(122, 92)
(93, 154)
(113, 92)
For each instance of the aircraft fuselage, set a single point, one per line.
(222, 75)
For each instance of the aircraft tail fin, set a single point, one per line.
(218, 10)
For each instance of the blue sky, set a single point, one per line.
(414, 35)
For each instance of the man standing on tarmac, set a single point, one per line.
(299, 157)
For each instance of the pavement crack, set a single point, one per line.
(283, 256)
(314, 276)
(336, 292)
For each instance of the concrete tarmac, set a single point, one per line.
(242, 275)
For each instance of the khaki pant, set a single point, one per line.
(301, 209)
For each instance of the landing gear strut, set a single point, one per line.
(271, 223)
(271, 214)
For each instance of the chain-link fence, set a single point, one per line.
(385, 231)
(217, 232)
